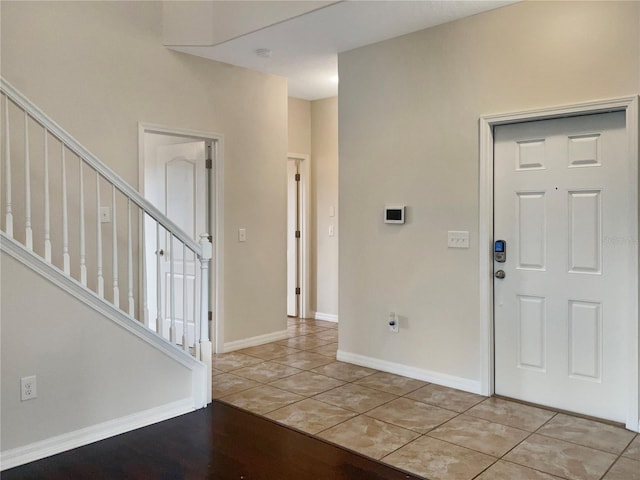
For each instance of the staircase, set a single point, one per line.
(74, 221)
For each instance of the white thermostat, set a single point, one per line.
(394, 214)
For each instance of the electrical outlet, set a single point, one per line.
(28, 388)
(393, 322)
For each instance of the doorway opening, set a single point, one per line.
(298, 237)
(180, 174)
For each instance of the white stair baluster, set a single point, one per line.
(130, 259)
(83, 251)
(28, 232)
(99, 239)
(114, 236)
(65, 216)
(145, 267)
(172, 298)
(159, 316)
(47, 200)
(196, 316)
(185, 323)
(196, 313)
(7, 166)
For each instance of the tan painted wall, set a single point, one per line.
(324, 173)
(299, 126)
(99, 68)
(313, 129)
(409, 110)
(81, 360)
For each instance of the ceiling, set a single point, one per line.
(305, 48)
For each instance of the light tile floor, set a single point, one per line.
(426, 429)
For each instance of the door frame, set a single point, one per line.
(629, 105)
(215, 220)
(305, 236)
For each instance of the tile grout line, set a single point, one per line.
(355, 414)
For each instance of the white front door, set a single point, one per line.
(562, 201)
(175, 182)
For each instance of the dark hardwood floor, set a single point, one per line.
(218, 442)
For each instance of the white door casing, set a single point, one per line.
(215, 202)
(304, 213)
(560, 313)
(293, 247)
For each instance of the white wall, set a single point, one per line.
(89, 369)
(99, 68)
(409, 110)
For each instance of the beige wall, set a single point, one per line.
(99, 68)
(324, 174)
(409, 110)
(299, 126)
(313, 129)
(82, 362)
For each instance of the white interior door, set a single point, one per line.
(175, 182)
(293, 247)
(562, 310)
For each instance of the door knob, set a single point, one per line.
(160, 252)
(500, 274)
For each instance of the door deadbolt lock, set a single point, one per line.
(500, 274)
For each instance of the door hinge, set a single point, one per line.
(209, 163)
(297, 290)
(297, 177)
(210, 238)
(297, 233)
(210, 316)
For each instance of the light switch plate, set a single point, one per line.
(105, 215)
(242, 235)
(457, 239)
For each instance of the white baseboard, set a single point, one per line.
(472, 386)
(329, 317)
(255, 341)
(84, 436)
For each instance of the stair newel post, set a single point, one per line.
(7, 171)
(130, 260)
(27, 186)
(205, 343)
(99, 239)
(65, 215)
(83, 246)
(47, 201)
